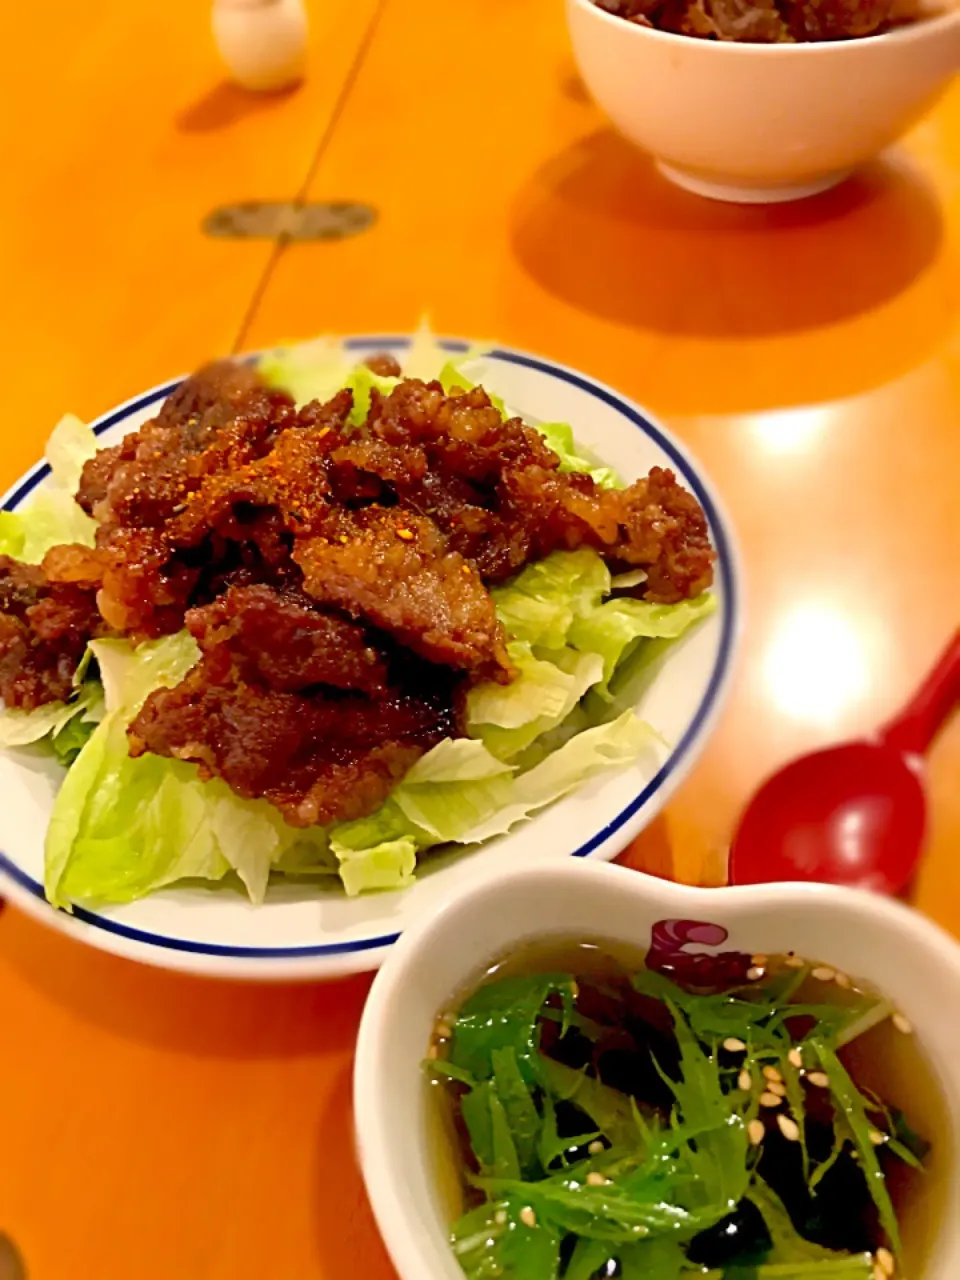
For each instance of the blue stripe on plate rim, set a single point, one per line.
(724, 560)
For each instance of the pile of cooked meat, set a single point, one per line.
(334, 576)
(767, 21)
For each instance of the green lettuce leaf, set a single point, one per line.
(540, 604)
(71, 445)
(509, 718)
(12, 535)
(559, 436)
(612, 629)
(594, 751)
(318, 369)
(21, 728)
(314, 370)
(52, 516)
(124, 827)
(362, 382)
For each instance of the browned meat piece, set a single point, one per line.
(319, 759)
(393, 569)
(383, 365)
(494, 488)
(222, 416)
(283, 640)
(44, 630)
(767, 21)
(209, 399)
(291, 479)
(842, 19)
(655, 524)
(749, 21)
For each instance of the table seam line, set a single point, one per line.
(282, 241)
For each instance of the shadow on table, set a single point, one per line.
(342, 1210)
(224, 105)
(175, 1011)
(598, 228)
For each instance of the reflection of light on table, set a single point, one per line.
(792, 431)
(817, 664)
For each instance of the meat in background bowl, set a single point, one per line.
(752, 123)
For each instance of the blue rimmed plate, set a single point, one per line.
(302, 932)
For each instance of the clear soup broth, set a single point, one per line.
(797, 1121)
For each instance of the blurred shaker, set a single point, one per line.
(263, 42)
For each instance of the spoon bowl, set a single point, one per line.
(852, 814)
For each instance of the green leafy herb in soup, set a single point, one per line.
(606, 1121)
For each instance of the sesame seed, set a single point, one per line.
(755, 973)
(794, 962)
(324, 431)
(528, 1217)
(733, 1045)
(745, 1081)
(819, 1079)
(596, 1148)
(795, 1058)
(344, 538)
(843, 980)
(597, 1180)
(777, 1087)
(823, 973)
(789, 1128)
(885, 1261)
(902, 1023)
(768, 1099)
(444, 1030)
(755, 1132)
(405, 534)
(771, 1073)
(759, 961)
(500, 1217)
(877, 1138)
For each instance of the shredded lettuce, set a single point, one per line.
(612, 629)
(509, 718)
(539, 605)
(318, 369)
(52, 516)
(53, 719)
(12, 535)
(559, 436)
(71, 445)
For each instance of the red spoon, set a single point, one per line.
(853, 814)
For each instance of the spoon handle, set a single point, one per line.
(912, 731)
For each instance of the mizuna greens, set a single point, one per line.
(618, 1124)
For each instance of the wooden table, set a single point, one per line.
(158, 1127)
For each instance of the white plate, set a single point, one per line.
(302, 932)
